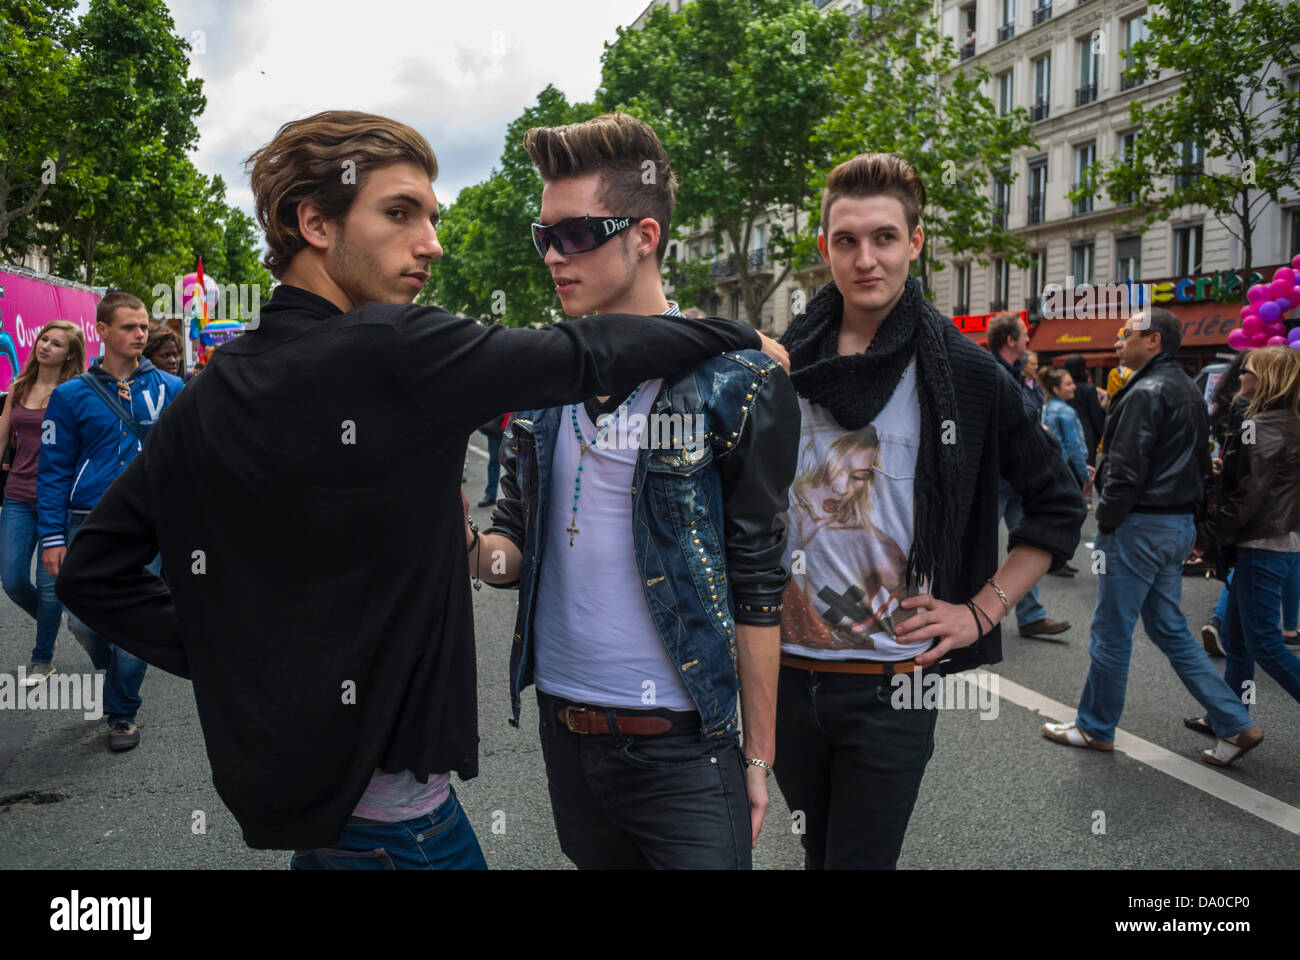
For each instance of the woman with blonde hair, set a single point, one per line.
(58, 355)
(1255, 520)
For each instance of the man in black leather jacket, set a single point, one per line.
(1153, 478)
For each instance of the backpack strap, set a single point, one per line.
(123, 414)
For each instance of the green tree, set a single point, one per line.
(36, 127)
(757, 100)
(490, 268)
(905, 97)
(735, 90)
(1231, 104)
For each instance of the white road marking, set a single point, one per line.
(1194, 773)
(477, 452)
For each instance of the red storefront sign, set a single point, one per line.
(976, 325)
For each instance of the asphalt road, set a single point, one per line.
(996, 793)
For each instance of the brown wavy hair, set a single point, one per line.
(73, 365)
(160, 334)
(308, 160)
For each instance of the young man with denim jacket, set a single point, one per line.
(645, 536)
(85, 446)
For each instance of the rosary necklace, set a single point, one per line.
(583, 447)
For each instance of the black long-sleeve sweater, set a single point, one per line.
(303, 495)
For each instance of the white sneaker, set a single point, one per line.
(1072, 736)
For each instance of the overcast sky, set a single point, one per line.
(456, 71)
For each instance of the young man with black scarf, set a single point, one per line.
(906, 427)
(323, 612)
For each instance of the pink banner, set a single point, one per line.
(26, 305)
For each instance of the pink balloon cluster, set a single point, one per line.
(1261, 318)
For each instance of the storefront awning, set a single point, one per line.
(1204, 325)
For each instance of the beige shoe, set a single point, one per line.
(1227, 751)
(1072, 736)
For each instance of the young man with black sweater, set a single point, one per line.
(906, 427)
(649, 565)
(323, 613)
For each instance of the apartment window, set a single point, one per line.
(1128, 149)
(1128, 259)
(1006, 99)
(1037, 190)
(672, 251)
(1042, 12)
(966, 31)
(1042, 86)
(963, 289)
(735, 305)
(1081, 261)
(1084, 157)
(1008, 28)
(1191, 162)
(1188, 250)
(1295, 233)
(1089, 61)
(1135, 30)
(1001, 195)
(1035, 277)
(1001, 284)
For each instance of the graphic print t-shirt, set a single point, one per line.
(850, 521)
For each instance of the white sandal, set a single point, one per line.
(1071, 735)
(1227, 751)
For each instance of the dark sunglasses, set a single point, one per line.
(578, 234)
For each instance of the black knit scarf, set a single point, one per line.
(856, 388)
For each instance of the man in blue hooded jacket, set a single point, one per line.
(91, 432)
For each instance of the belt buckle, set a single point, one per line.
(567, 718)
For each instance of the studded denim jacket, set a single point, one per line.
(707, 521)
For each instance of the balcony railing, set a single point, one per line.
(1128, 83)
(1085, 94)
(1042, 14)
(1084, 205)
(723, 267)
(967, 51)
(960, 310)
(997, 306)
(1006, 32)
(1038, 111)
(1037, 202)
(757, 258)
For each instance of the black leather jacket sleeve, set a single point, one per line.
(756, 476)
(508, 517)
(1128, 458)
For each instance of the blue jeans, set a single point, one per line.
(17, 544)
(123, 672)
(1029, 609)
(1250, 633)
(1290, 601)
(442, 840)
(493, 465)
(1144, 575)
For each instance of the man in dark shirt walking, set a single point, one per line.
(324, 614)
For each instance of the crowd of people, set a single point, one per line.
(834, 525)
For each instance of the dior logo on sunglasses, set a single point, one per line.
(578, 234)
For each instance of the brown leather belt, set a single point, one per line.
(583, 720)
(848, 666)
